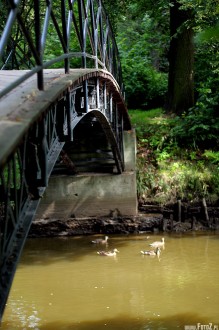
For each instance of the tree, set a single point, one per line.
(176, 23)
(181, 60)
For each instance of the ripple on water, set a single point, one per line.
(64, 284)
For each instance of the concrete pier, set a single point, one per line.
(93, 194)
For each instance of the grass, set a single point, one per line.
(166, 171)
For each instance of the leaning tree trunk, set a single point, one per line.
(181, 61)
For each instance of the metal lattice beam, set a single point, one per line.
(41, 122)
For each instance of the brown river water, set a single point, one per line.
(63, 284)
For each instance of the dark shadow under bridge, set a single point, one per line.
(60, 73)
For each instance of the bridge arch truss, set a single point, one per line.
(41, 105)
(32, 142)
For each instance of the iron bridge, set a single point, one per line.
(59, 68)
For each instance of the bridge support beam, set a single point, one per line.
(93, 194)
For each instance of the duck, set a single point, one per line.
(100, 240)
(155, 252)
(158, 243)
(108, 253)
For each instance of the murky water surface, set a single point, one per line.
(62, 284)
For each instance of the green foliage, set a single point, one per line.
(143, 38)
(142, 64)
(146, 183)
(201, 123)
(211, 33)
(10, 178)
(213, 156)
(197, 129)
(167, 169)
(186, 179)
(116, 10)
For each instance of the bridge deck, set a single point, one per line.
(20, 107)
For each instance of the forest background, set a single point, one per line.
(170, 60)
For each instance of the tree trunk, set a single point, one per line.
(181, 61)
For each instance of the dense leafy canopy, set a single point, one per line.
(143, 34)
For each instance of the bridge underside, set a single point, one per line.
(92, 191)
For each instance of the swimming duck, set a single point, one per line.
(108, 253)
(155, 252)
(158, 243)
(100, 240)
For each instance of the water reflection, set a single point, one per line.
(62, 283)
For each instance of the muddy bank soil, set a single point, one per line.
(151, 218)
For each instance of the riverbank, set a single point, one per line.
(150, 218)
(170, 163)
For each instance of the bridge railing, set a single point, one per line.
(80, 31)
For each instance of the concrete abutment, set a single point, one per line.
(93, 194)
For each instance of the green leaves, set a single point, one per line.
(142, 61)
(170, 163)
(209, 34)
